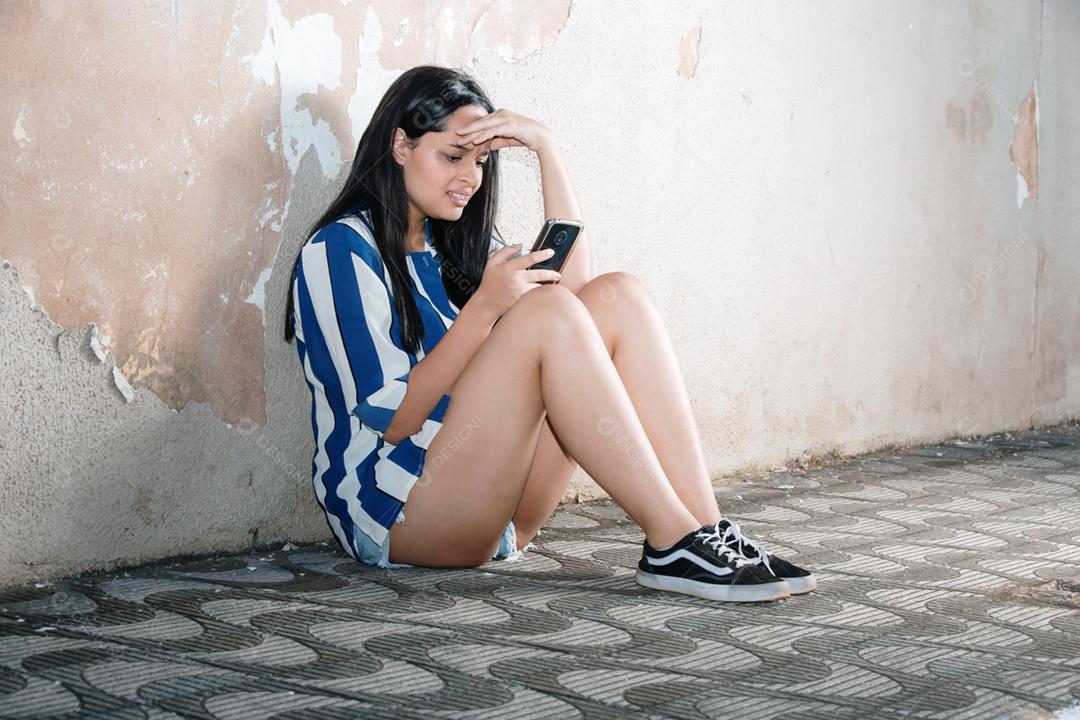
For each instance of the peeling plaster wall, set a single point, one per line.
(882, 194)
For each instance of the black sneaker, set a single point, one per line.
(799, 580)
(700, 564)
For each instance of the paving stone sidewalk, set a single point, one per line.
(949, 587)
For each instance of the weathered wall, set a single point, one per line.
(881, 194)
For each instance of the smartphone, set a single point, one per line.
(559, 235)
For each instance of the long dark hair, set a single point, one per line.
(418, 101)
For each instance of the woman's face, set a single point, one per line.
(440, 176)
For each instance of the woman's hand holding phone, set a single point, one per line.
(507, 278)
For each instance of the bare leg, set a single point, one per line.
(645, 359)
(544, 354)
(549, 476)
(635, 338)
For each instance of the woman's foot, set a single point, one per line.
(798, 579)
(700, 564)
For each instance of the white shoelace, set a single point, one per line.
(734, 537)
(725, 553)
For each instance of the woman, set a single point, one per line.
(511, 383)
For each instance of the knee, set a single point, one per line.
(552, 305)
(615, 295)
(553, 293)
(616, 285)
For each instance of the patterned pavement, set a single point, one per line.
(949, 587)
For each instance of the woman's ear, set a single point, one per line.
(399, 146)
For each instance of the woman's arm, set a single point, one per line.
(438, 370)
(560, 202)
(506, 128)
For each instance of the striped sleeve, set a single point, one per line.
(356, 313)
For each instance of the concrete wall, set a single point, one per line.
(859, 219)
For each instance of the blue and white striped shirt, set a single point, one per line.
(349, 343)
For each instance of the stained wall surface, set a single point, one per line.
(856, 221)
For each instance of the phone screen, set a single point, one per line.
(558, 235)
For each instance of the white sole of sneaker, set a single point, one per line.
(801, 585)
(726, 593)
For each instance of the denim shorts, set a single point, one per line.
(372, 554)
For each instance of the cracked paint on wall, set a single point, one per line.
(1024, 148)
(149, 160)
(689, 53)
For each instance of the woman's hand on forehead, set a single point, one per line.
(505, 128)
